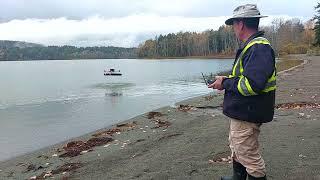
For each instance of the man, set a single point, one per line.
(249, 93)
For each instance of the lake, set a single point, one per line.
(46, 102)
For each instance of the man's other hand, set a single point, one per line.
(218, 83)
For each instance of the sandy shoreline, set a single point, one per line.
(189, 142)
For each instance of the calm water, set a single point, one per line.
(46, 102)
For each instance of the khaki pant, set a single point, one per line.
(244, 145)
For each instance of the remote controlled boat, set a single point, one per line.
(112, 72)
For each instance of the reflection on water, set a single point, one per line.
(112, 85)
(114, 94)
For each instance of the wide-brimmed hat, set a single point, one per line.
(245, 11)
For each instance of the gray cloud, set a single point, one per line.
(79, 9)
(125, 23)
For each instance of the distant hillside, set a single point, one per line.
(21, 51)
(19, 44)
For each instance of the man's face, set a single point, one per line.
(237, 26)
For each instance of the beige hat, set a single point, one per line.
(245, 11)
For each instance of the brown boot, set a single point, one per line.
(239, 172)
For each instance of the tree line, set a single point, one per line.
(286, 36)
(65, 52)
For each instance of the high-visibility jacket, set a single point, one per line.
(250, 88)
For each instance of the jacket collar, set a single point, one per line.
(257, 34)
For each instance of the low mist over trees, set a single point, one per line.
(287, 37)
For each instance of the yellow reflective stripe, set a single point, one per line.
(273, 77)
(258, 40)
(249, 87)
(240, 88)
(270, 86)
(244, 87)
(270, 89)
(234, 68)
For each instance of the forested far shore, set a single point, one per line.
(287, 37)
(14, 53)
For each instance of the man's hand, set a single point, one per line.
(218, 83)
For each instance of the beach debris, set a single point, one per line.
(62, 169)
(30, 168)
(186, 108)
(99, 141)
(193, 171)
(43, 175)
(76, 148)
(54, 155)
(169, 136)
(21, 164)
(209, 98)
(58, 150)
(83, 152)
(298, 105)
(221, 160)
(43, 156)
(119, 128)
(33, 177)
(109, 132)
(161, 123)
(302, 156)
(301, 114)
(152, 114)
(223, 157)
(48, 174)
(140, 140)
(127, 125)
(107, 145)
(67, 168)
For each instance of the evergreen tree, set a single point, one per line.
(317, 25)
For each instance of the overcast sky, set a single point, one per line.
(126, 22)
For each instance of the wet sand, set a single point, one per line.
(189, 141)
